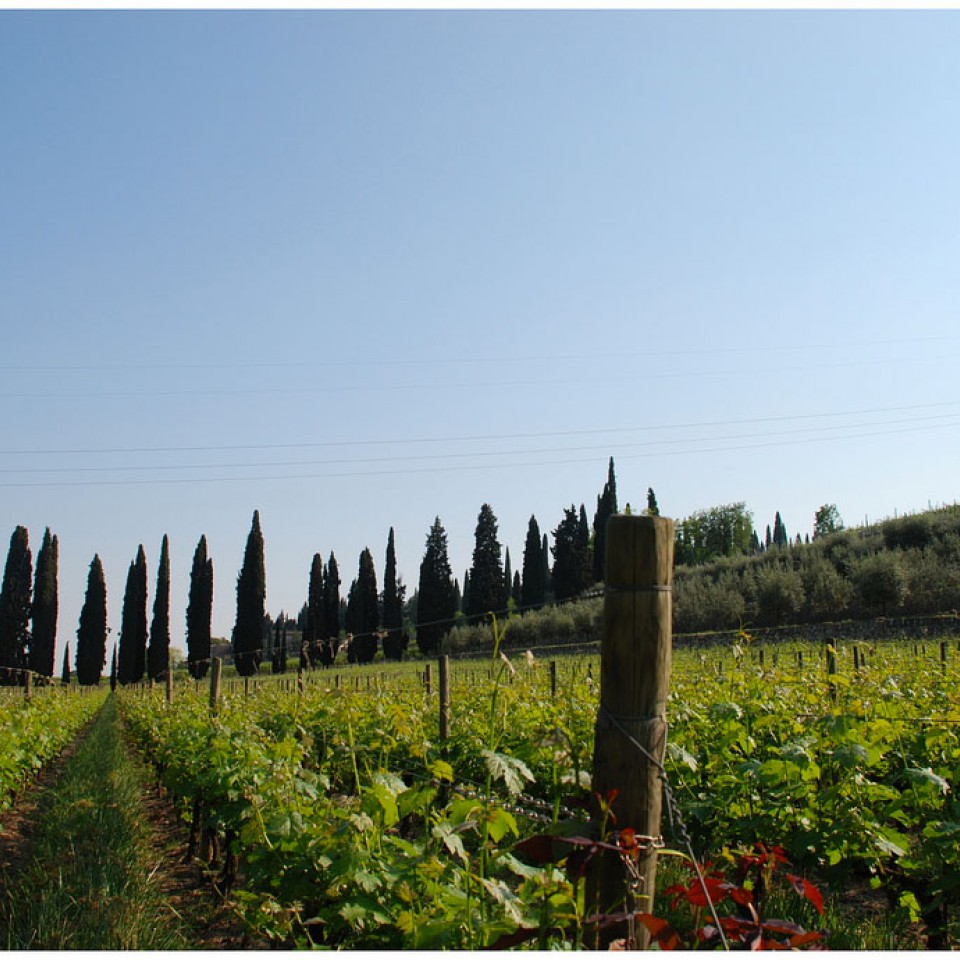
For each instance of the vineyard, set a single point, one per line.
(337, 815)
(37, 729)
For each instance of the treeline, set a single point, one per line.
(726, 576)
(904, 566)
(361, 624)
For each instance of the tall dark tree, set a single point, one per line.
(547, 571)
(363, 612)
(486, 574)
(132, 652)
(583, 533)
(92, 630)
(113, 669)
(395, 641)
(436, 601)
(45, 607)
(780, 537)
(199, 611)
(465, 595)
(571, 570)
(507, 574)
(313, 628)
(653, 509)
(65, 670)
(15, 608)
(331, 613)
(158, 651)
(606, 508)
(533, 590)
(515, 589)
(251, 596)
(275, 660)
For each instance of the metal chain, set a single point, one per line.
(673, 811)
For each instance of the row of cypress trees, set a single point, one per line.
(488, 585)
(28, 608)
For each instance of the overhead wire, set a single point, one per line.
(914, 425)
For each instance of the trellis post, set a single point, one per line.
(216, 666)
(444, 677)
(631, 726)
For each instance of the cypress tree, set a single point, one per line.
(583, 542)
(653, 509)
(251, 596)
(606, 508)
(275, 659)
(331, 613)
(199, 612)
(395, 642)
(65, 670)
(113, 669)
(45, 607)
(507, 574)
(92, 630)
(487, 592)
(158, 652)
(465, 596)
(313, 628)
(515, 589)
(363, 614)
(779, 531)
(533, 590)
(570, 557)
(547, 572)
(15, 608)
(132, 654)
(436, 602)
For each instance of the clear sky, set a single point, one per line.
(360, 269)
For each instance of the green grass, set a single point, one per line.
(91, 883)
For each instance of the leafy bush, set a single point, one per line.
(780, 594)
(880, 582)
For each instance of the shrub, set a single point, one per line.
(779, 594)
(880, 582)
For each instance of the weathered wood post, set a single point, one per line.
(553, 679)
(831, 669)
(426, 678)
(943, 655)
(444, 676)
(27, 685)
(631, 726)
(216, 666)
(169, 682)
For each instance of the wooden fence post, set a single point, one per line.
(553, 679)
(444, 674)
(216, 666)
(631, 726)
(169, 680)
(831, 670)
(27, 685)
(426, 678)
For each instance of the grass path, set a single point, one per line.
(93, 881)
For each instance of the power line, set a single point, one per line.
(462, 455)
(463, 467)
(474, 438)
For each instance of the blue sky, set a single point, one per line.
(360, 269)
